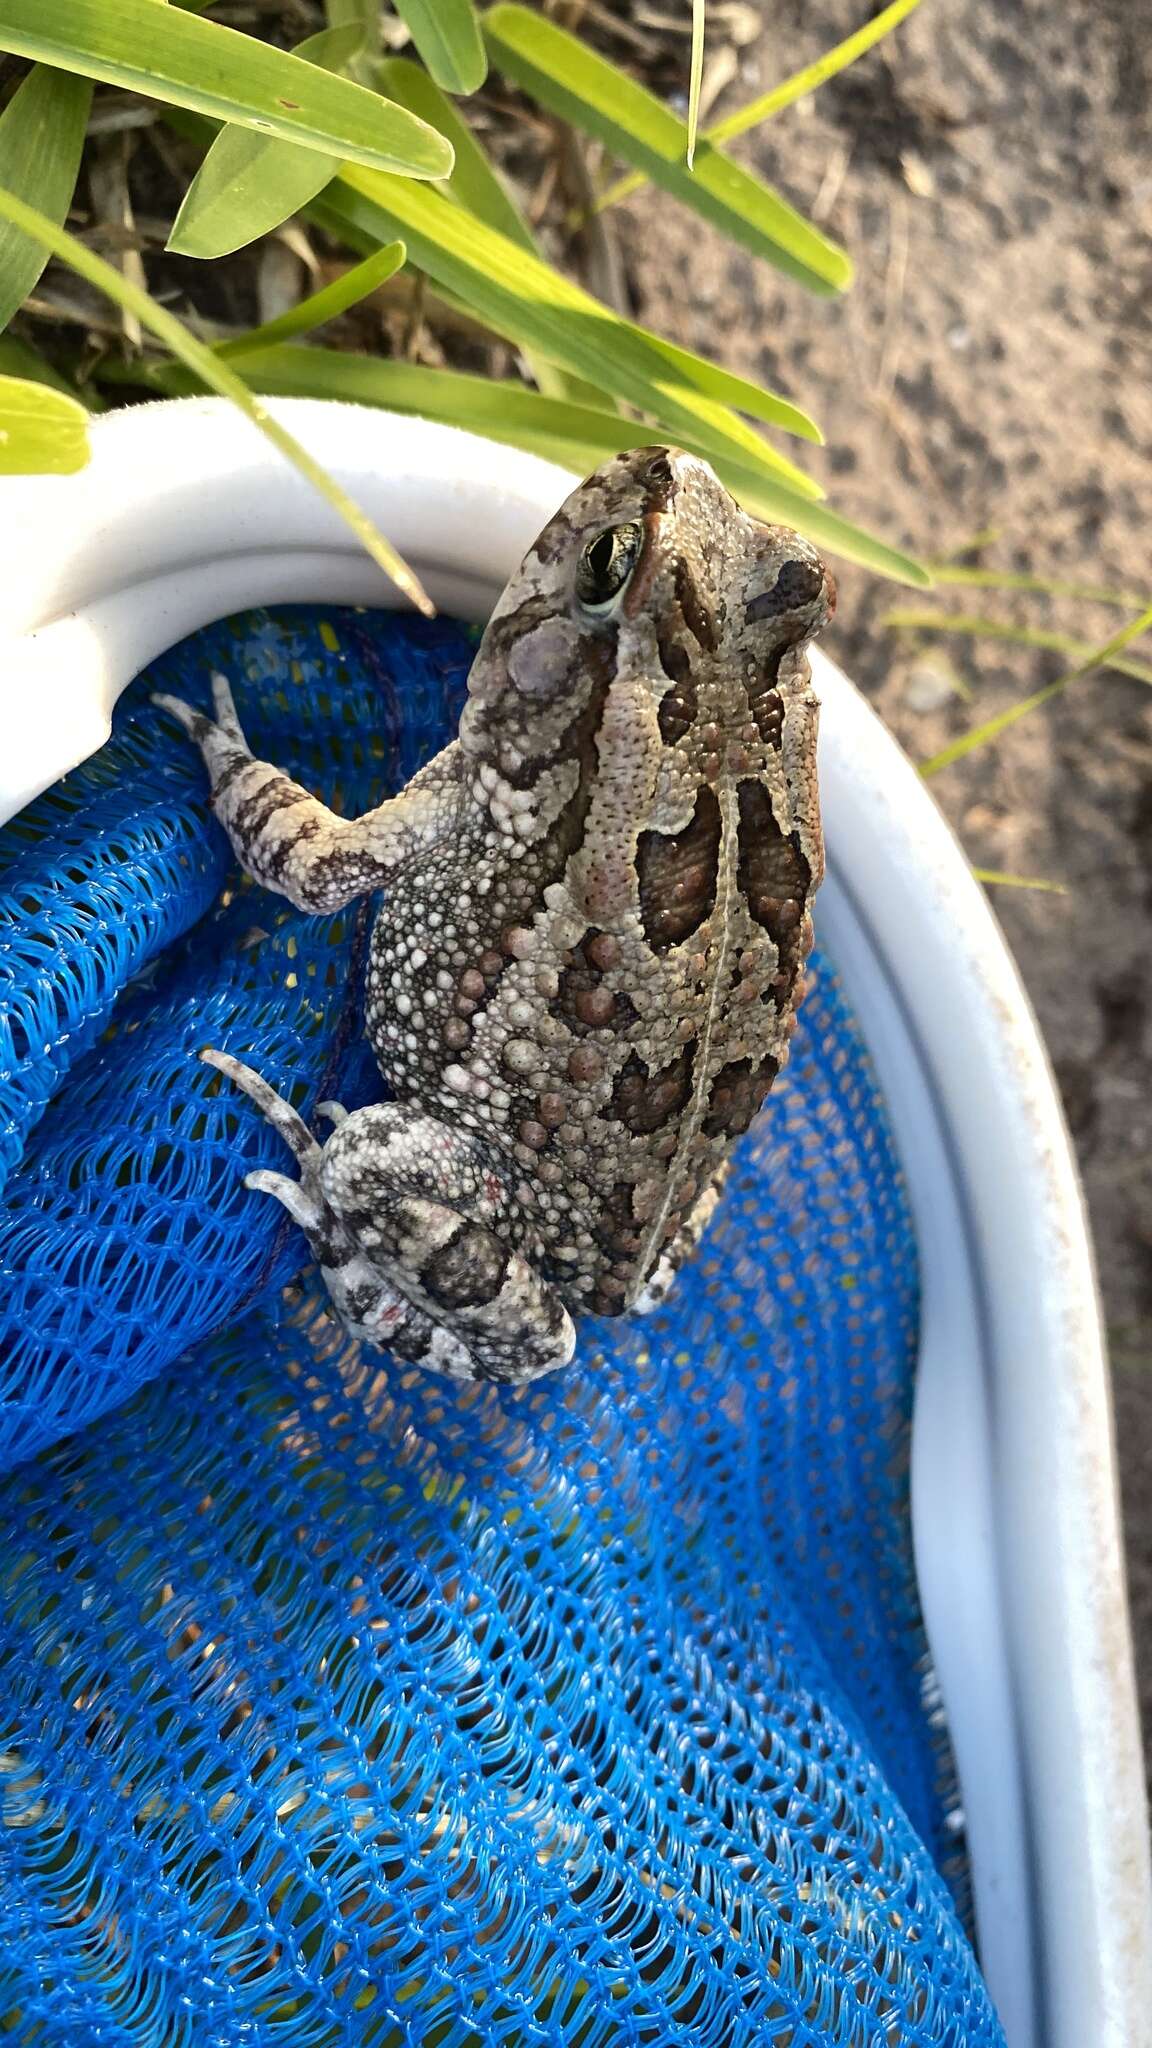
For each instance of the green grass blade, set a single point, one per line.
(801, 83)
(519, 296)
(714, 382)
(1099, 657)
(219, 377)
(322, 306)
(570, 80)
(973, 626)
(337, 223)
(17, 359)
(331, 48)
(42, 431)
(501, 408)
(362, 15)
(1041, 586)
(695, 79)
(171, 55)
(991, 730)
(447, 35)
(770, 500)
(472, 179)
(993, 878)
(577, 436)
(797, 87)
(245, 188)
(982, 538)
(249, 183)
(365, 18)
(41, 137)
(476, 186)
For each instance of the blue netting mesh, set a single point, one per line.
(344, 1705)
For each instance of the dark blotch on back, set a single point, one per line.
(677, 712)
(644, 1102)
(766, 703)
(525, 881)
(798, 583)
(616, 1231)
(677, 873)
(737, 1092)
(774, 878)
(579, 743)
(610, 1294)
(696, 614)
(585, 1004)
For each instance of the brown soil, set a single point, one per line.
(989, 171)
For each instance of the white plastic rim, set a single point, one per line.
(186, 514)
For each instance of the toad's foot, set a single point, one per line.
(366, 1305)
(403, 1215)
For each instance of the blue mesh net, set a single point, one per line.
(344, 1705)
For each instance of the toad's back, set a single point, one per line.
(597, 971)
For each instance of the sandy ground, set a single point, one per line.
(990, 369)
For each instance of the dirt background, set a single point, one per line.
(990, 171)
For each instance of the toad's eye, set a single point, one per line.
(605, 565)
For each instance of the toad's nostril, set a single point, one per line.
(659, 470)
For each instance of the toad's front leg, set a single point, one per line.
(413, 1232)
(288, 840)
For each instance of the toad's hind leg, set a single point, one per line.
(662, 1279)
(414, 1234)
(427, 1211)
(366, 1305)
